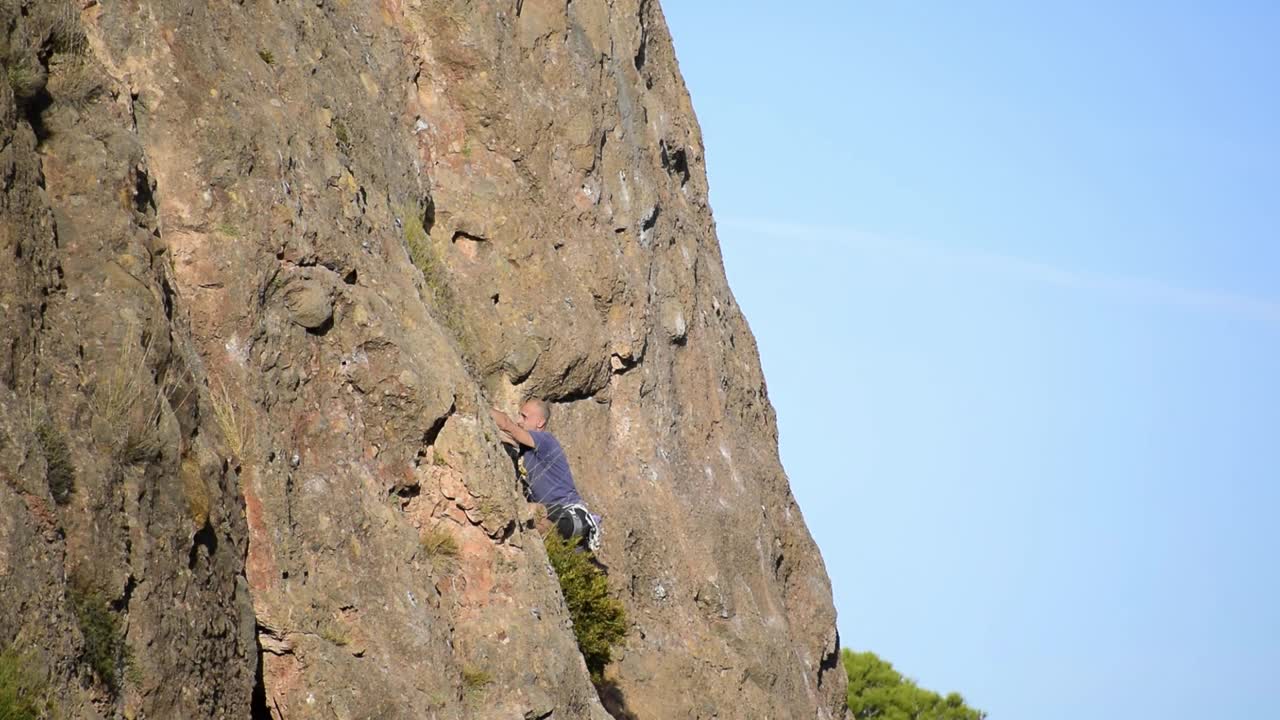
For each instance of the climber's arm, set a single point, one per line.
(511, 429)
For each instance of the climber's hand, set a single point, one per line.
(508, 426)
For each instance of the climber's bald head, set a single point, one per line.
(535, 413)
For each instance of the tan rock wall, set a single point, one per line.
(339, 231)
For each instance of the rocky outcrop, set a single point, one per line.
(272, 264)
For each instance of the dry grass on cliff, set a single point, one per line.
(75, 80)
(23, 71)
(195, 490)
(475, 680)
(118, 390)
(25, 77)
(332, 632)
(57, 22)
(439, 545)
(128, 404)
(144, 438)
(36, 28)
(233, 422)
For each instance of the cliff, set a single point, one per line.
(271, 263)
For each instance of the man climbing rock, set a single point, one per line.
(545, 470)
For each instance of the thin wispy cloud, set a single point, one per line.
(1129, 287)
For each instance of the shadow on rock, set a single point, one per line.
(614, 702)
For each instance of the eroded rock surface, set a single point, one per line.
(272, 263)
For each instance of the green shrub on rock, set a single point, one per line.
(105, 651)
(23, 694)
(59, 472)
(599, 620)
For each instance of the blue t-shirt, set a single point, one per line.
(547, 468)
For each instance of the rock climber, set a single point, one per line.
(545, 471)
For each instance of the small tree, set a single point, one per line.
(877, 690)
(599, 620)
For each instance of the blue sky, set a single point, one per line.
(1037, 248)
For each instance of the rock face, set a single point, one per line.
(271, 265)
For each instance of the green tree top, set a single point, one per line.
(878, 691)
